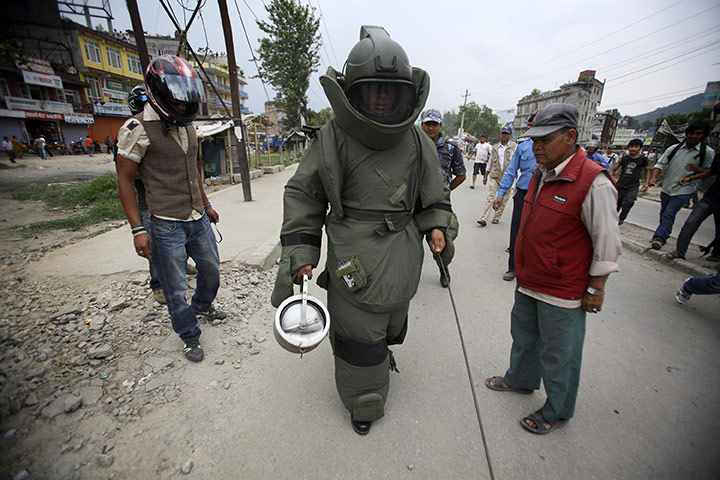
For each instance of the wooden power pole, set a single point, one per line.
(462, 117)
(139, 33)
(235, 96)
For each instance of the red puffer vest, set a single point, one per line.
(553, 250)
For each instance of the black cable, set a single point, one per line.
(470, 377)
(322, 17)
(254, 59)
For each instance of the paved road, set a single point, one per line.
(647, 406)
(646, 213)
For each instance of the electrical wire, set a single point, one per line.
(252, 52)
(662, 96)
(633, 24)
(322, 18)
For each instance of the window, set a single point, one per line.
(72, 98)
(94, 92)
(134, 64)
(114, 58)
(4, 89)
(92, 51)
(33, 92)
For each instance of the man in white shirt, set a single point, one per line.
(481, 152)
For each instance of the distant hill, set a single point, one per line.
(689, 105)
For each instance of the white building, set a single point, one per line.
(585, 94)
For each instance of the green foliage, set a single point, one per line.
(449, 119)
(288, 55)
(479, 120)
(614, 112)
(95, 200)
(319, 118)
(646, 124)
(534, 93)
(4, 166)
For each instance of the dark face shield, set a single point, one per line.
(183, 89)
(384, 101)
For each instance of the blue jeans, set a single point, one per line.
(703, 209)
(147, 223)
(172, 242)
(703, 285)
(669, 206)
(41, 151)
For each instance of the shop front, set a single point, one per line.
(109, 117)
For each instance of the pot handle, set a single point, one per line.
(303, 305)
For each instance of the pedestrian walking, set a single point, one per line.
(481, 154)
(568, 245)
(160, 145)
(452, 166)
(523, 161)
(631, 167)
(610, 157)
(108, 142)
(89, 146)
(700, 285)
(591, 147)
(499, 160)
(381, 177)
(7, 146)
(708, 206)
(40, 144)
(683, 160)
(17, 147)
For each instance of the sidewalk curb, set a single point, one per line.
(659, 256)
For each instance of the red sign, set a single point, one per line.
(43, 115)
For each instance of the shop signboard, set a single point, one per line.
(112, 109)
(79, 118)
(114, 89)
(19, 103)
(57, 107)
(711, 95)
(43, 115)
(34, 78)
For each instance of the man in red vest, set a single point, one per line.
(567, 246)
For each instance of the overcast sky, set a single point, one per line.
(651, 53)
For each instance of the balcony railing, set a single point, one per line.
(243, 94)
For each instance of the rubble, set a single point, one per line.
(101, 352)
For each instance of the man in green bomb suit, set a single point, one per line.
(381, 179)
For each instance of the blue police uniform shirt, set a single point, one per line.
(450, 159)
(523, 160)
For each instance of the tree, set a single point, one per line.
(288, 55)
(449, 119)
(319, 118)
(479, 120)
(614, 112)
(534, 93)
(647, 124)
(631, 122)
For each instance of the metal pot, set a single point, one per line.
(301, 322)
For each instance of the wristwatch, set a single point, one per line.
(592, 291)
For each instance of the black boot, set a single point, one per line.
(361, 428)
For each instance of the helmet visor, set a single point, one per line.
(385, 101)
(184, 89)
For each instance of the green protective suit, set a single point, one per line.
(384, 189)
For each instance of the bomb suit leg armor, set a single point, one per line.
(380, 178)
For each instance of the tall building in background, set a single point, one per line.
(585, 94)
(217, 71)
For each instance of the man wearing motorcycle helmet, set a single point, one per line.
(160, 144)
(380, 175)
(591, 147)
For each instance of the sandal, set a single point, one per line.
(498, 386)
(673, 256)
(539, 420)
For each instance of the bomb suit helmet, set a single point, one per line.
(171, 80)
(137, 98)
(379, 78)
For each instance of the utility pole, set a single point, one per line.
(462, 117)
(139, 33)
(235, 96)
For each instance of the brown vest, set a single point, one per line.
(169, 174)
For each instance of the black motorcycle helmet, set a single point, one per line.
(171, 80)
(137, 99)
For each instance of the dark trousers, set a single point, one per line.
(702, 210)
(626, 200)
(518, 201)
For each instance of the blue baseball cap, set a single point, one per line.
(431, 115)
(506, 129)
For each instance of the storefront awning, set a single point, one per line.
(205, 130)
